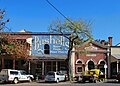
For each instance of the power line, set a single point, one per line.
(64, 16)
(59, 12)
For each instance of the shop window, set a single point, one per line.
(39, 64)
(46, 49)
(79, 69)
(8, 64)
(48, 63)
(23, 62)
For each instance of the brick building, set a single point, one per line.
(7, 60)
(90, 55)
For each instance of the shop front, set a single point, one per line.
(49, 52)
(41, 65)
(95, 57)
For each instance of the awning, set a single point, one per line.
(49, 57)
(115, 57)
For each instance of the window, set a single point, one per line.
(79, 69)
(23, 73)
(57, 73)
(46, 49)
(79, 62)
(39, 64)
(13, 72)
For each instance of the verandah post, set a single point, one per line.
(13, 62)
(2, 62)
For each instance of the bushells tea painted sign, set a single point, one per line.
(58, 44)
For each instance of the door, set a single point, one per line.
(23, 76)
(91, 65)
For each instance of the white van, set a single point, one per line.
(54, 76)
(15, 76)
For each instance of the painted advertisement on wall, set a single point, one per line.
(58, 44)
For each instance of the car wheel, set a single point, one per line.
(95, 80)
(57, 80)
(15, 81)
(83, 81)
(118, 80)
(65, 78)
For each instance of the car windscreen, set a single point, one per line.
(51, 73)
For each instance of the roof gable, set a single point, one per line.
(91, 46)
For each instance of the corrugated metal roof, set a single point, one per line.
(49, 57)
(49, 33)
(117, 56)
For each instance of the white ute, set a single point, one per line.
(15, 76)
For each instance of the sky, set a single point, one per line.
(37, 15)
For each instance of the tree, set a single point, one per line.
(80, 31)
(3, 21)
(9, 45)
(2, 28)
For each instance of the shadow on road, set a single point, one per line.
(106, 81)
(42, 81)
(4, 83)
(112, 81)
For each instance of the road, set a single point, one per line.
(113, 83)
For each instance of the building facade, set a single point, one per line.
(89, 56)
(115, 59)
(48, 52)
(7, 61)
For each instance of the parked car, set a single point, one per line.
(64, 73)
(15, 76)
(54, 76)
(93, 75)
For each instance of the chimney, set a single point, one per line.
(103, 42)
(110, 41)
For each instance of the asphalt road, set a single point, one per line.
(110, 83)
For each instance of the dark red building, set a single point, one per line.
(88, 56)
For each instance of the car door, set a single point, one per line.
(23, 76)
(62, 76)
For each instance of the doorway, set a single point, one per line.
(91, 65)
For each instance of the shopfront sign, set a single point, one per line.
(58, 44)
